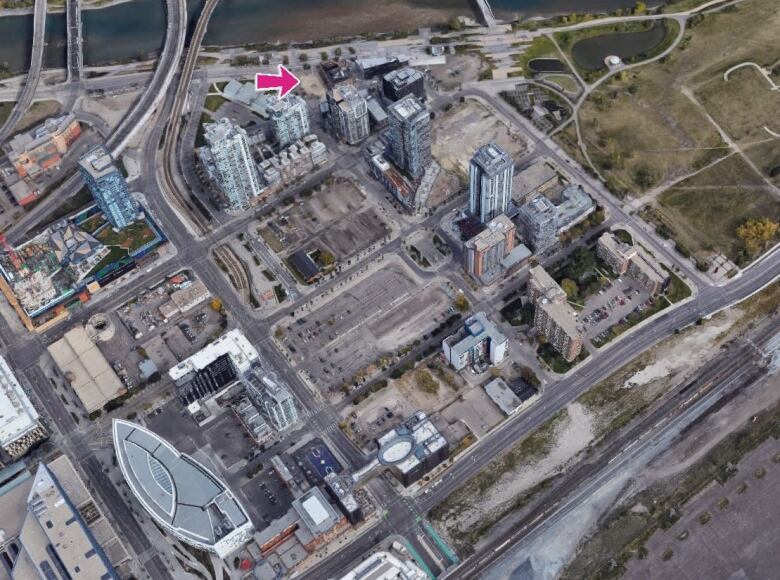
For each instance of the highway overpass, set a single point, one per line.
(75, 64)
(33, 75)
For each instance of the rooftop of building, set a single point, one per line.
(177, 491)
(492, 158)
(303, 262)
(519, 254)
(500, 393)
(572, 203)
(385, 566)
(86, 369)
(98, 162)
(477, 328)
(316, 512)
(71, 244)
(403, 76)
(611, 242)
(539, 209)
(222, 130)
(54, 525)
(410, 442)
(494, 233)
(232, 343)
(347, 97)
(564, 315)
(649, 266)
(39, 133)
(407, 108)
(17, 414)
(280, 106)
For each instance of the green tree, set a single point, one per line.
(570, 287)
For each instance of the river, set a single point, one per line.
(135, 29)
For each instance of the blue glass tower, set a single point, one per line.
(108, 187)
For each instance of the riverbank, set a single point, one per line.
(94, 5)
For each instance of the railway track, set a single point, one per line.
(169, 185)
(740, 367)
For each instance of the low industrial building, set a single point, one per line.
(183, 497)
(50, 524)
(20, 424)
(86, 369)
(479, 341)
(504, 397)
(246, 94)
(189, 295)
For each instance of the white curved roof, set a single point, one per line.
(180, 493)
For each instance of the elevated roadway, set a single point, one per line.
(33, 75)
(133, 121)
(75, 58)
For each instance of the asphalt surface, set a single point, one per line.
(135, 119)
(738, 368)
(400, 514)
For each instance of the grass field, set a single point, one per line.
(641, 131)
(704, 212)
(540, 47)
(5, 110)
(37, 112)
(743, 106)
(766, 156)
(214, 102)
(566, 82)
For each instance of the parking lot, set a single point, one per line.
(335, 216)
(267, 497)
(374, 317)
(610, 305)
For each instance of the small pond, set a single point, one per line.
(545, 65)
(590, 53)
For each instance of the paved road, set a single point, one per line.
(33, 75)
(75, 58)
(130, 124)
(740, 367)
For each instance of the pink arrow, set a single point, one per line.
(282, 83)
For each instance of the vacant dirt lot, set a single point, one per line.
(466, 127)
